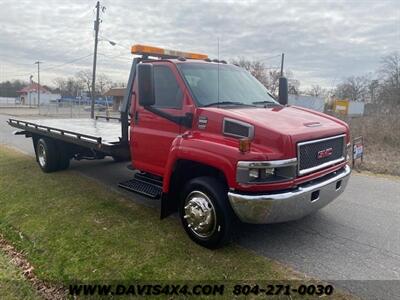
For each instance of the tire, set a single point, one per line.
(205, 212)
(47, 155)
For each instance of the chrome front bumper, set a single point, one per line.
(292, 205)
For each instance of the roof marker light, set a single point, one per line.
(165, 53)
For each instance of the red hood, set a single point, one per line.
(287, 120)
(283, 127)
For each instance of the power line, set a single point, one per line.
(86, 13)
(270, 57)
(120, 57)
(20, 75)
(15, 63)
(66, 63)
(270, 68)
(50, 67)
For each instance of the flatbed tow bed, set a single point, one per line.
(102, 134)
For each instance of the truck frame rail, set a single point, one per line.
(105, 138)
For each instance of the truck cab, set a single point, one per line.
(224, 149)
(210, 141)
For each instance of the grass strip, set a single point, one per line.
(13, 284)
(71, 228)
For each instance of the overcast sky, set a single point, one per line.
(323, 41)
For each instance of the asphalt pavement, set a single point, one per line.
(354, 242)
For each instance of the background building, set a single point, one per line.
(117, 95)
(29, 95)
(311, 102)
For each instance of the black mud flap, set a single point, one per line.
(168, 206)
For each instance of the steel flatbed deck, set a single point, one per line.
(102, 134)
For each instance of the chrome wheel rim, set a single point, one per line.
(199, 213)
(41, 155)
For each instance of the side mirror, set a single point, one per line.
(283, 90)
(146, 85)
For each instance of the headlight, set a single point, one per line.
(269, 172)
(261, 173)
(348, 151)
(254, 173)
(266, 171)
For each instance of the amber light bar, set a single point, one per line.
(161, 52)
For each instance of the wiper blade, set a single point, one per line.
(266, 102)
(227, 103)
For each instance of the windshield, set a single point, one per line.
(236, 85)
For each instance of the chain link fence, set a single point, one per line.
(75, 109)
(56, 109)
(8, 101)
(65, 109)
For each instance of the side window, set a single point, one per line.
(167, 91)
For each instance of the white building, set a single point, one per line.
(311, 102)
(29, 95)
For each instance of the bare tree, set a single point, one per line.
(84, 78)
(316, 91)
(390, 69)
(73, 87)
(354, 88)
(389, 87)
(103, 83)
(118, 84)
(373, 89)
(61, 85)
(293, 84)
(256, 68)
(273, 81)
(268, 77)
(11, 88)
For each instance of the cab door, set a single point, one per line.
(151, 134)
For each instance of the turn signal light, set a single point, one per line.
(244, 145)
(161, 52)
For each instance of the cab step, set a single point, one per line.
(144, 185)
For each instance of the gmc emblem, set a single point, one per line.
(324, 153)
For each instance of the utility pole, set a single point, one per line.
(96, 39)
(38, 81)
(282, 60)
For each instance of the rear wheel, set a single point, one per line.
(47, 155)
(205, 212)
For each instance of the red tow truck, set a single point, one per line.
(210, 141)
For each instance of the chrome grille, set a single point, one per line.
(310, 154)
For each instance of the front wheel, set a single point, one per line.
(205, 212)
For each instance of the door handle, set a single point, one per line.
(136, 117)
